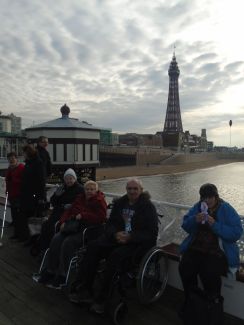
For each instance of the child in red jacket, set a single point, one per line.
(13, 182)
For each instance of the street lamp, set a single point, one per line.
(230, 124)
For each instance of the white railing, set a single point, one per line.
(170, 225)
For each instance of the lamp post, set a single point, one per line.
(230, 124)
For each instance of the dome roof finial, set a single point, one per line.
(65, 110)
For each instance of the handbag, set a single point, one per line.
(71, 226)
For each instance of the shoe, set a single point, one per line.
(57, 283)
(44, 277)
(98, 308)
(83, 296)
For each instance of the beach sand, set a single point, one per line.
(131, 171)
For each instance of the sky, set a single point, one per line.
(108, 61)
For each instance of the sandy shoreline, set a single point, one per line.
(131, 171)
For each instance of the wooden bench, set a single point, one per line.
(172, 252)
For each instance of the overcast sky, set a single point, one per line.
(108, 60)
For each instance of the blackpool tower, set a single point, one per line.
(173, 130)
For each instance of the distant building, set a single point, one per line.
(72, 144)
(210, 146)
(106, 138)
(10, 123)
(10, 135)
(115, 139)
(135, 140)
(5, 123)
(15, 124)
(203, 140)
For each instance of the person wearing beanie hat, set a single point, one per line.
(210, 249)
(70, 172)
(61, 201)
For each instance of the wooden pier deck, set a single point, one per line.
(23, 302)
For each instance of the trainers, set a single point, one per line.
(98, 308)
(57, 283)
(83, 296)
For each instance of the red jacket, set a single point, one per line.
(13, 181)
(92, 210)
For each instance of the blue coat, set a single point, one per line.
(227, 227)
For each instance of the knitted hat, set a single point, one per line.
(70, 172)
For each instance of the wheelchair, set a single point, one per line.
(87, 234)
(149, 278)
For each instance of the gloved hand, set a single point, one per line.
(60, 190)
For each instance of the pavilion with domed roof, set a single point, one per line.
(72, 144)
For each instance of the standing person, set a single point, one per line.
(210, 250)
(32, 195)
(13, 183)
(131, 230)
(41, 148)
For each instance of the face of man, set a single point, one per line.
(12, 161)
(134, 190)
(69, 180)
(90, 190)
(210, 201)
(43, 143)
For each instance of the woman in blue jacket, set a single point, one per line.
(210, 249)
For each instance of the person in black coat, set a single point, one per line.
(32, 190)
(130, 231)
(61, 200)
(42, 144)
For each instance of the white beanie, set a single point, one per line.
(70, 172)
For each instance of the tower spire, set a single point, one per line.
(173, 123)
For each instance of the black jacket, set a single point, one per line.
(32, 184)
(64, 195)
(144, 223)
(46, 160)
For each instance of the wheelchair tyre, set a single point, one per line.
(153, 276)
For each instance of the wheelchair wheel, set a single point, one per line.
(152, 277)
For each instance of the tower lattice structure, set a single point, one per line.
(173, 130)
(173, 121)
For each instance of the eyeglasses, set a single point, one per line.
(132, 188)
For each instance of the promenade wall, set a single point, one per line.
(187, 158)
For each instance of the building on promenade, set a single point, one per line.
(173, 131)
(11, 138)
(106, 138)
(72, 143)
(135, 140)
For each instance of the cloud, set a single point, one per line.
(109, 60)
